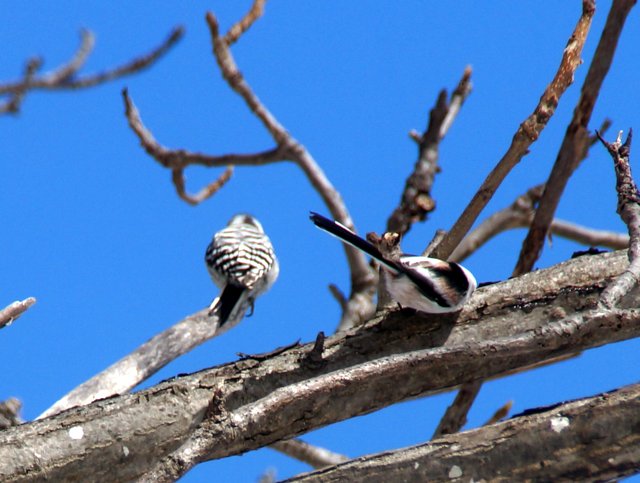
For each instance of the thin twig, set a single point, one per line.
(527, 133)
(12, 311)
(15, 99)
(575, 139)
(66, 76)
(315, 456)
(180, 158)
(416, 202)
(455, 417)
(629, 211)
(501, 413)
(245, 23)
(177, 175)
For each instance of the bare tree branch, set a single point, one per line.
(519, 215)
(12, 105)
(314, 456)
(500, 413)
(576, 137)
(10, 413)
(260, 402)
(66, 76)
(521, 212)
(146, 360)
(245, 23)
(363, 280)
(591, 439)
(178, 160)
(12, 311)
(416, 201)
(527, 133)
(157, 420)
(629, 211)
(177, 176)
(455, 417)
(359, 306)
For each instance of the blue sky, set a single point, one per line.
(93, 229)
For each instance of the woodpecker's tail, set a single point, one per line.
(343, 233)
(226, 302)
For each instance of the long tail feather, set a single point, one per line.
(341, 232)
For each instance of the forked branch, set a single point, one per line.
(66, 77)
(527, 133)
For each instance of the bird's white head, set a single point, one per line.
(245, 219)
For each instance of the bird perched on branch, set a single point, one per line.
(241, 261)
(422, 283)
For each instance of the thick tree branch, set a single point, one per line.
(146, 360)
(591, 439)
(66, 76)
(576, 137)
(12, 311)
(416, 202)
(527, 133)
(629, 211)
(250, 404)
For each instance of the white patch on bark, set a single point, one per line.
(559, 423)
(455, 472)
(76, 432)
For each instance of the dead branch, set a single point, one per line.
(527, 133)
(177, 176)
(363, 280)
(314, 456)
(576, 137)
(416, 202)
(519, 215)
(501, 413)
(155, 421)
(146, 360)
(66, 76)
(455, 417)
(10, 413)
(12, 311)
(591, 439)
(249, 404)
(629, 211)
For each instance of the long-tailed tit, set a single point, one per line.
(422, 283)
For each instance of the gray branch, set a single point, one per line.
(253, 403)
(592, 439)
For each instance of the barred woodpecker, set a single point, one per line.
(241, 261)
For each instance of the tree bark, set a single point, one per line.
(251, 403)
(593, 439)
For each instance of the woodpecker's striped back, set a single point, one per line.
(241, 261)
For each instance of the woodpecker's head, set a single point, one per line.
(245, 219)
